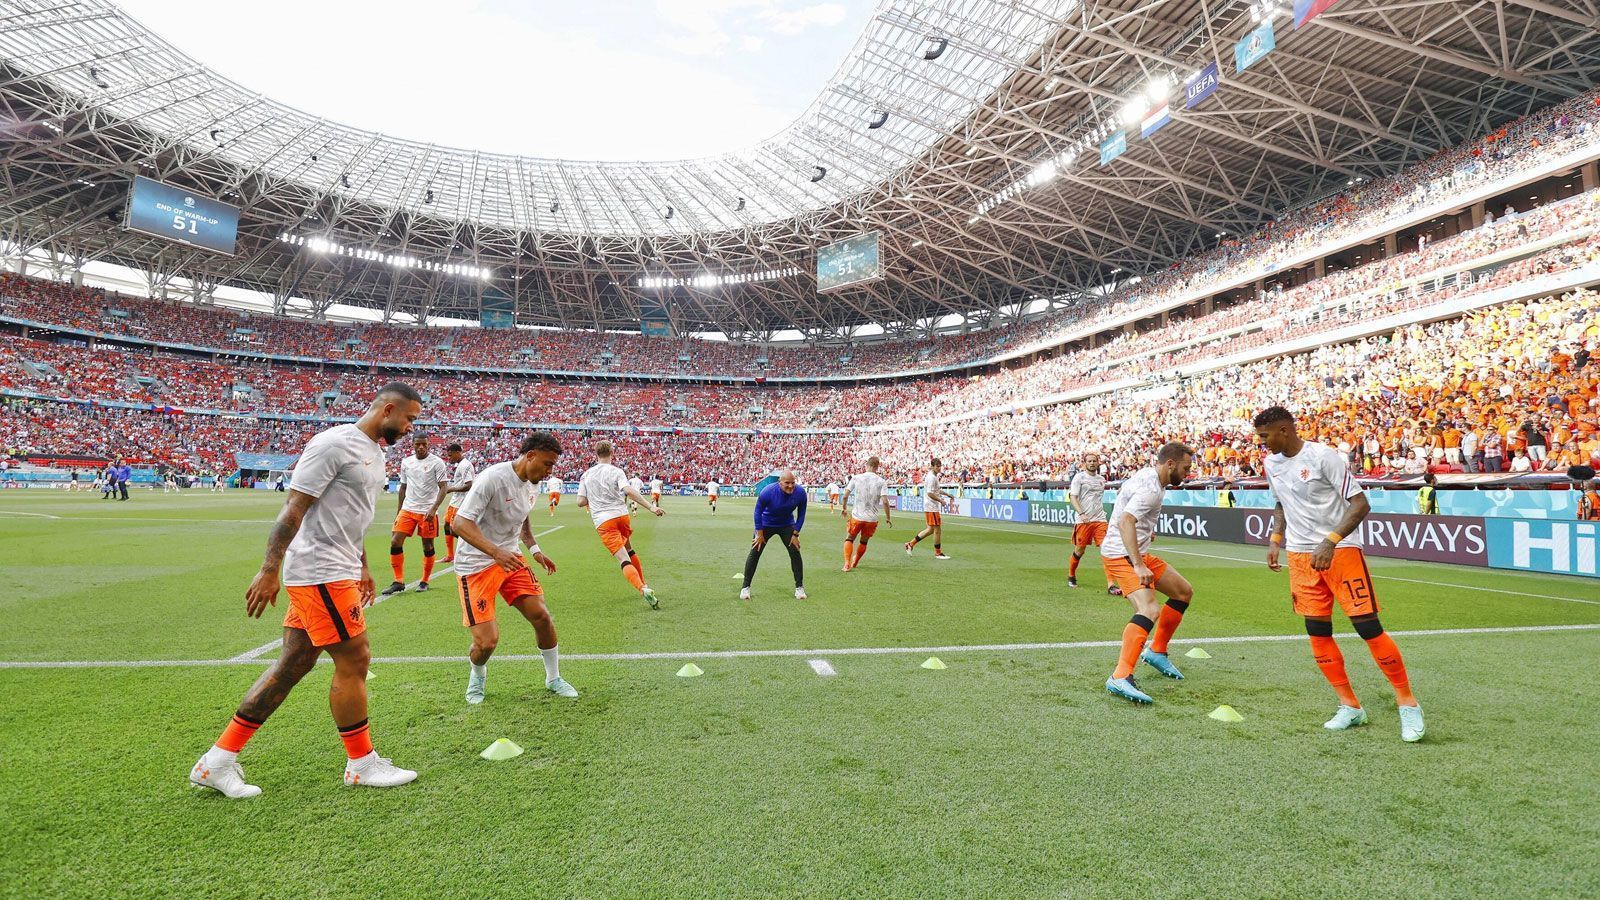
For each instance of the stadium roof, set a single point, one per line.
(966, 131)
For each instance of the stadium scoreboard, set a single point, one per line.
(850, 261)
(182, 216)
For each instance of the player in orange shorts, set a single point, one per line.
(1087, 493)
(1318, 519)
(1126, 556)
(493, 518)
(318, 540)
(862, 498)
(933, 500)
(461, 472)
(424, 478)
(554, 487)
(605, 490)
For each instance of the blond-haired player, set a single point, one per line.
(863, 495)
(606, 491)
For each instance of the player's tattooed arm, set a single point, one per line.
(285, 528)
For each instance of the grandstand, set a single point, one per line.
(1095, 229)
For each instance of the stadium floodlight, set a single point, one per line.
(1159, 89)
(1134, 111)
(1043, 173)
(916, 243)
(973, 219)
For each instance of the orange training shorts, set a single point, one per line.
(858, 528)
(327, 613)
(409, 523)
(1120, 570)
(614, 533)
(1086, 533)
(1347, 581)
(555, 499)
(932, 518)
(449, 515)
(479, 588)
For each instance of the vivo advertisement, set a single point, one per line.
(182, 216)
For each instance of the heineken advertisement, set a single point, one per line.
(1051, 512)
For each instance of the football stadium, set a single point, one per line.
(776, 448)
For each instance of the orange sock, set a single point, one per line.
(239, 731)
(357, 739)
(634, 578)
(634, 558)
(450, 546)
(849, 553)
(397, 562)
(1072, 567)
(1326, 652)
(427, 567)
(1133, 635)
(861, 550)
(1387, 656)
(1166, 623)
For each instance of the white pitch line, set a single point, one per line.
(1262, 561)
(844, 651)
(16, 512)
(249, 655)
(821, 667)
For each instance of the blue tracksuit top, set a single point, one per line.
(775, 509)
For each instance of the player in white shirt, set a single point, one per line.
(637, 485)
(423, 480)
(655, 490)
(711, 494)
(933, 501)
(863, 495)
(1126, 556)
(492, 519)
(833, 496)
(607, 493)
(461, 473)
(1318, 520)
(1087, 493)
(319, 542)
(554, 487)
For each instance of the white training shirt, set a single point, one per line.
(711, 488)
(1140, 496)
(343, 469)
(420, 478)
(605, 487)
(833, 489)
(553, 485)
(1315, 487)
(866, 496)
(1089, 490)
(636, 483)
(655, 485)
(463, 473)
(930, 483)
(498, 504)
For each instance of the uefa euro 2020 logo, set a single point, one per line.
(188, 201)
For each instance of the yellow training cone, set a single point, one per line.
(502, 749)
(1197, 653)
(934, 663)
(1226, 714)
(690, 670)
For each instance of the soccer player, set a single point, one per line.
(1087, 492)
(461, 473)
(1318, 519)
(607, 492)
(492, 519)
(933, 500)
(711, 494)
(780, 513)
(219, 482)
(423, 480)
(1126, 556)
(655, 490)
(863, 495)
(554, 487)
(318, 540)
(636, 484)
(833, 496)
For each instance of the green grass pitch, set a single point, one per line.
(1011, 773)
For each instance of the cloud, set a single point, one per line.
(794, 21)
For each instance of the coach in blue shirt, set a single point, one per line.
(780, 513)
(124, 472)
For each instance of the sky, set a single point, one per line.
(569, 79)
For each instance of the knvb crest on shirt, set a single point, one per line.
(1305, 474)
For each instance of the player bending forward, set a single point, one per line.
(554, 487)
(606, 491)
(1126, 556)
(863, 496)
(318, 539)
(492, 519)
(461, 472)
(1318, 520)
(1087, 491)
(933, 500)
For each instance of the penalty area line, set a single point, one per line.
(844, 651)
